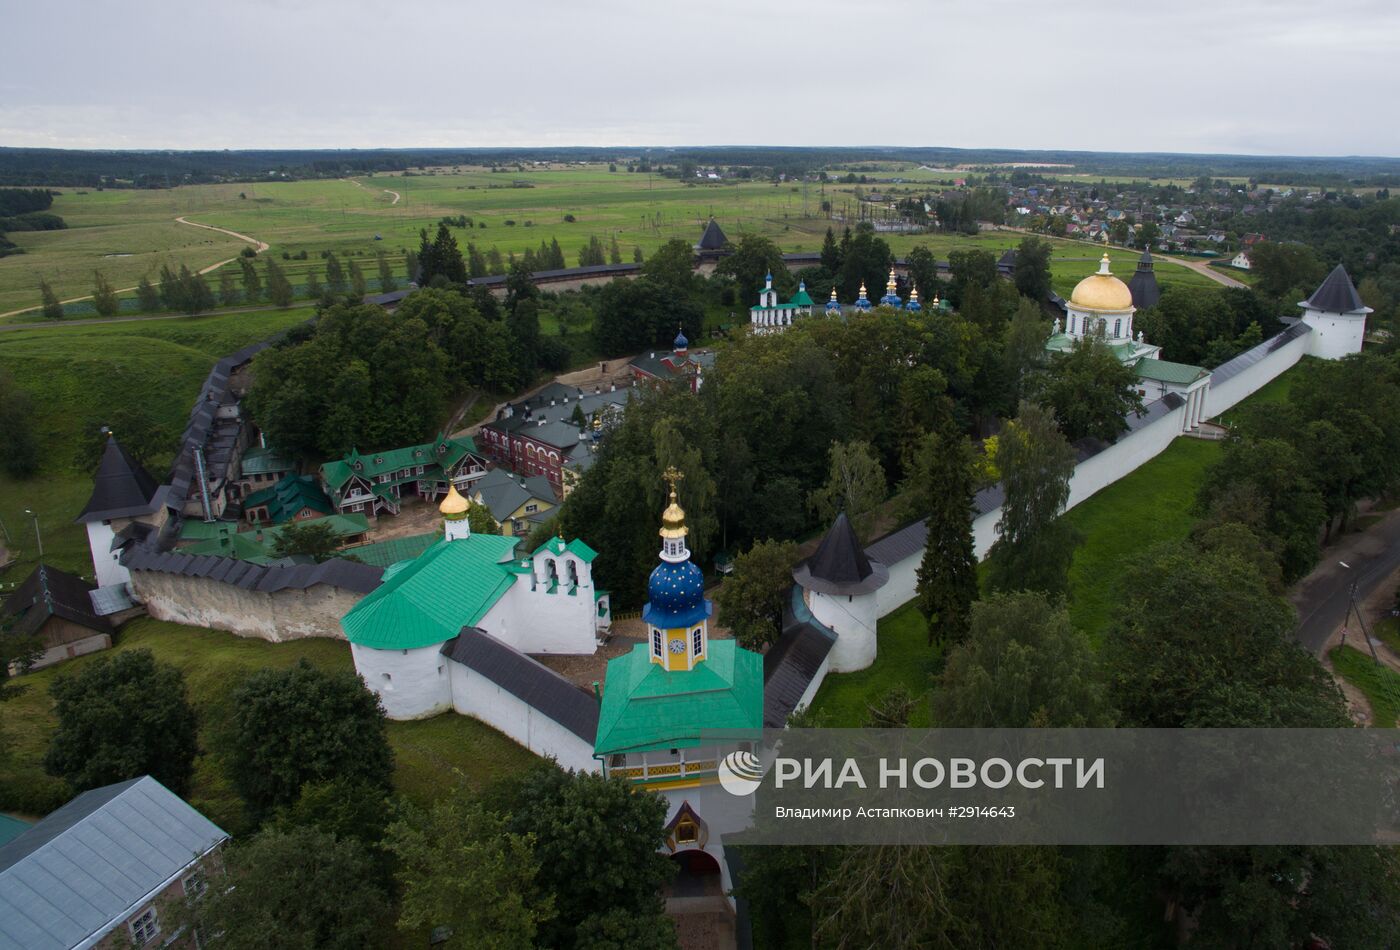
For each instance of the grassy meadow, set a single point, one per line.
(127, 233)
(74, 375)
(430, 755)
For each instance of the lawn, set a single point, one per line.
(430, 755)
(1380, 684)
(904, 659)
(1149, 506)
(75, 375)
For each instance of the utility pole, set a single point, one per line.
(37, 537)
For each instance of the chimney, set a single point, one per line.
(597, 691)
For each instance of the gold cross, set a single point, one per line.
(673, 475)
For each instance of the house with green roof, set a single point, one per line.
(294, 498)
(374, 483)
(258, 545)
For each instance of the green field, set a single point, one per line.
(430, 755)
(904, 659)
(74, 374)
(1149, 506)
(128, 233)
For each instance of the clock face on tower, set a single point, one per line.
(677, 646)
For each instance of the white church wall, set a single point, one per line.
(853, 619)
(536, 621)
(287, 614)
(105, 565)
(479, 697)
(1224, 395)
(411, 684)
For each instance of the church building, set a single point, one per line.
(770, 316)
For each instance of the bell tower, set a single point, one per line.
(677, 613)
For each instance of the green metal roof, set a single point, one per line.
(576, 547)
(261, 461)
(290, 495)
(646, 707)
(257, 544)
(394, 550)
(1168, 372)
(429, 600)
(11, 828)
(442, 451)
(800, 299)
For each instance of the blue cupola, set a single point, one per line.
(833, 306)
(862, 302)
(676, 588)
(913, 303)
(891, 298)
(681, 344)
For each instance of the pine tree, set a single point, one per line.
(447, 257)
(335, 274)
(556, 255)
(314, 290)
(411, 265)
(279, 288)
(104, 296)
(426, 260)
(637, 254)
(387, 284)
(947, 576)
(831, 254)
(358, 287)
(476, 261)
(614, 252)
(170, 292)
(194, 290)
(228, 293)
(147, 296)
(252, 286)
(53, 310)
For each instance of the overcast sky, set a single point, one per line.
(1297, 77)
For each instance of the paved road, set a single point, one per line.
(1321, 597)
(1200, 267)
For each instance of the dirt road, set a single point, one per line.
(260, 245)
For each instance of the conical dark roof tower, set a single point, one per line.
(839, 565)
(122, 488)
(713, 239)
(1336, 294)
(1143, 284)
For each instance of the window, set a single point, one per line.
(656, 643)
(1117, 328)
(697, 642)
(687, 832)
(145, 927)
(195, 885)
(531, 509)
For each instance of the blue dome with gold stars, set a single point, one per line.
(676, 596)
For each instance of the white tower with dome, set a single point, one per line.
(1102, 305)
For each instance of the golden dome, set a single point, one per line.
(892, 284)
(673, 519)
(454, 506)
(1101, 291)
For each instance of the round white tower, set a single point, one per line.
(839, 584)
(1337, 317)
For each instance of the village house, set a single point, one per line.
(55, 609)
(376, 482)
(294, 498)
(516, 502)
(108, 870)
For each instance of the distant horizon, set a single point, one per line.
(619, 149)
(1261, 78)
